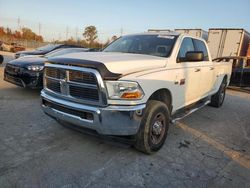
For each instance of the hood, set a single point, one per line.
(31, 56)
(35, 52)
(121, 63)
(24, 62)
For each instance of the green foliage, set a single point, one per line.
(90, 35)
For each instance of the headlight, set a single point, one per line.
(124, 90)
(21, 55)
(35, 67)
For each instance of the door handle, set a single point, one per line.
(197, 70)
(211, 68)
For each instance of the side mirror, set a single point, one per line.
(1, 59)
(194, 56)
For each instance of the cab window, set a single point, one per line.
(200, 46)
(186, 46)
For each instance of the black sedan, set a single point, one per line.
(240, 76)
(44, 50)
(28, 71)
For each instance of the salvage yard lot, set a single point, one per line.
(210, 148)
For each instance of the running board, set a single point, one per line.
(189, 110)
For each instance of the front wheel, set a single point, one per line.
(154, 127)
(218, 98)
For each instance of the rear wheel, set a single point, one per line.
(154, 127)
(218, 98)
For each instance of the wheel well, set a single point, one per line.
(164, 96)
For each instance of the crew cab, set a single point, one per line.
(136, 86)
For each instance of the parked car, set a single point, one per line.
(240, 71)
(27, 71)
(44, 50)
(1, 59)
(1, 43)
(15, 47)
(135, 86)
(6, 47)
(11, 47)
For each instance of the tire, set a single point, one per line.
(218, 98)
(154, 127)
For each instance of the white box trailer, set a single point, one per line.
(194, 32)
(228, 42)
(159, 30)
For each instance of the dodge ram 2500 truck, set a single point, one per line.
(136, 86)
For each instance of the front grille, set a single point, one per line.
(81, 77)
(75, 85)
(81, 114)
(55, 73)
(53, 85)
(12, 69)
(84, 93)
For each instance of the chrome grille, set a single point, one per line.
(55, 73)
(85, 93)
(74, 83)
(53, 85)
(81, 77)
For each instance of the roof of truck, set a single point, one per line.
(172, 33)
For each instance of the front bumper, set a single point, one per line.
(110, 120)
(25, 78)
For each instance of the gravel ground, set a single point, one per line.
(209, 148)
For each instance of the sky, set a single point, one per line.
(60, 19)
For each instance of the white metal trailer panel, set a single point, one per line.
(214, 42)
(228, 42)
(194, 32)
(232, 43)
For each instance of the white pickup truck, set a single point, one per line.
(135, 86)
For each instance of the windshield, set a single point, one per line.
(64, 51)
(156, 45)
(48, 47)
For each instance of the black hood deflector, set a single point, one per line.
(105, 73)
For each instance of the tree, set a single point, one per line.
(90, 35)
(114, 38)
(28, 34)
(2, 32)
(17, 35)
(8, 31)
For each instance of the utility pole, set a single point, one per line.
(18, 23)
(39, 28)
(67, 32)
(76, 32)
(121, 31)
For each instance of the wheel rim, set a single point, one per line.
(158, 128)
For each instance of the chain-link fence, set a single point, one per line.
(28, 44)
(59, 32)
